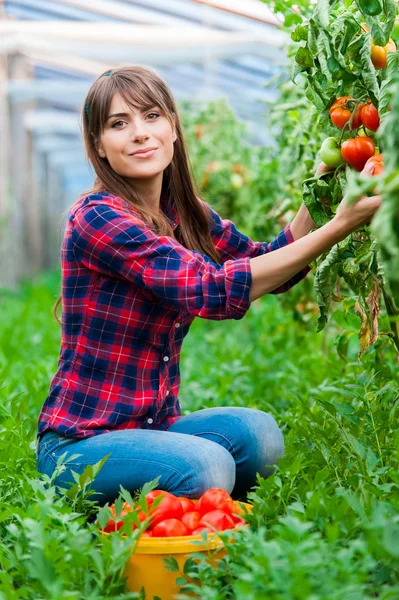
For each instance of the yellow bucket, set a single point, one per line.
(147, 568)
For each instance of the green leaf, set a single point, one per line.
(303, 57)
(292, 19)
(171, 564)
(347, 28)
(300, 33)
(324, 283)
(323, 7)
(313, 95)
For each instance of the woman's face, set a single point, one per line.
(128, 130)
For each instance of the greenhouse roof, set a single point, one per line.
(203, 49)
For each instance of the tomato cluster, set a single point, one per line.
(179, 516)
(364, 114)
(355, 151)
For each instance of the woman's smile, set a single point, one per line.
(141, 154)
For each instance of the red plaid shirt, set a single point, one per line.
(129, 297)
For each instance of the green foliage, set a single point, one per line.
(329, 511)
(331, 59)
(386, 224)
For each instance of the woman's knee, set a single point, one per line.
(273, 438)
(214, 466)
(258, 435)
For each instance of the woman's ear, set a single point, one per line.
(99, 148)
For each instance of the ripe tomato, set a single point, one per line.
(370, 117)
(341, 112)
(199, 529)
(191, 520)
(169, 508)
(215, 498)
(357, 151)
(169, 528)
(217, 519)
(113, 526)
(378, 161)
(379, 54)
(187, 504)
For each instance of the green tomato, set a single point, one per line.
(364, 132)
(330, 152)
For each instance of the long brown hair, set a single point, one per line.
(142, 88)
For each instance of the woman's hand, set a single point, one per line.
(350, 217)
(322, 168)
(304, 223)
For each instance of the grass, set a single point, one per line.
(324, 526)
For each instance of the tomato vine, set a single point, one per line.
(348, 62)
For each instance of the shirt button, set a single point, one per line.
(166, 358)
(150, 421)
(177, 325)
(167, 392)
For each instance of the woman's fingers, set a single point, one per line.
(323, 168)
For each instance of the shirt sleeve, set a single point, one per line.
(233, 245)
(118, 244)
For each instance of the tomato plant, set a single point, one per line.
(349, 65)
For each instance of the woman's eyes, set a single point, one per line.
(154, 113)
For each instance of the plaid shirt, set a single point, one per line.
(129, 297)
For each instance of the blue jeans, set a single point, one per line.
(216, 447)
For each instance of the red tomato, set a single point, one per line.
(146, 534)
(187, 504)
(357, 151)
(341, 112)
(217, 519)
(239, 522)
(370, 117)
(191, 520)
(113, 526)
(199, 529)
(378, 161)
(237, 510)
(169, 508)
(169, 528)
(215, 498)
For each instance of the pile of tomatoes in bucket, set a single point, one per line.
(174, 516)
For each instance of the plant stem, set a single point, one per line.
(393, 314)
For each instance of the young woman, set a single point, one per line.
(142, 256)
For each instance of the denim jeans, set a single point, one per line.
(215, 447)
